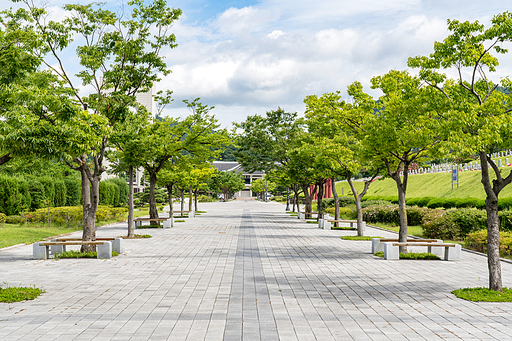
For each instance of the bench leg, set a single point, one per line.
(105, 250)
(391, 252)
(117, 245)
(58, 248)
(377, 246)
(327, 225)
(39, 251)
(320, 223)
(167, 224)
(452, 253)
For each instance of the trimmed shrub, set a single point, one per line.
(505, 203)
(14, 219)
(478, 241)
(470, 202)
(453, 224)
(107, 192)
(49, 191)
(374, 203)
(37, 193)
(121, 195)
(12, 199)
(73, 191)
(73, 216)
(505, 221)
(60, 193)
(436, 203)
(205, 198)
(415, 215)
(2, 218)
(382, 214)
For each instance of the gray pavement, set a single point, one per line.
(248, 271)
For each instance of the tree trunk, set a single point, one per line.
(336, 201)
(153, 210)
(182, 201)
(319, 198)
(402, 234)
(169, 193)
(190, 198)
(131, 229)
(195, 200)
(90, 209)
(307, 198)
(493, 227)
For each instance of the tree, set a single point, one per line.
(478, 114)
(404, 129)
(28, 96)
(120, 56)
(228, 183)
(263, 186)
(335, 125)
(169, 139)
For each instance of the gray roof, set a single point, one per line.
(228, 166)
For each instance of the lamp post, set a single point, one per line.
(287, 199)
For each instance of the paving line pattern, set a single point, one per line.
(248, 271)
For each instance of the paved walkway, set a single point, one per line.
(248, 271)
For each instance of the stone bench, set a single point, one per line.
(138, 221)
(302, 215)
(41, 250)
(117, 243)
(344, 223)
(378, 243)
(451, 251)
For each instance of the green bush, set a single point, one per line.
(374, 203)
(505, 203)
(73, 216)
(37, 193)
(415, 215)
(478, 241)
(437, 203)
(382, 214)
(2, 218)
(11, 199)
(60, 193)
(205, 198)
(14, 219)
(107, 192)
(73, 191)
(470, 202)
(49, 191)
(453, 224)
(123, 190)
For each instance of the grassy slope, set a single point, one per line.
(430, 185)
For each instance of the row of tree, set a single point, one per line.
(45, 114)
(418, 117)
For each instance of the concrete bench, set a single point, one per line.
(41, 250)
(378, 243)
(302, 215)
(342, 223)
(451, 251)
(138, 221)
(117, 243)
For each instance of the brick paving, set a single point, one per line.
(248, 271)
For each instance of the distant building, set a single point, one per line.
(228, 166)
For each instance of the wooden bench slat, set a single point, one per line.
(342, 221)
(424, 244)
(73, 243)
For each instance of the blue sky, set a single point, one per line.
(249, 57)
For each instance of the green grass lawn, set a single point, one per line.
(429, 185)
(17, 234)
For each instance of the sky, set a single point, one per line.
(249, 57)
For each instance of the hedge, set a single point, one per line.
(107, 192)
(2, 218)
(60, 193)
(73, 191)
(37, 194)
(478, 241)
(121, 191)
(73, 216)
(12, 198)
(49, 191)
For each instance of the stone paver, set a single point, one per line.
(248, 271)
